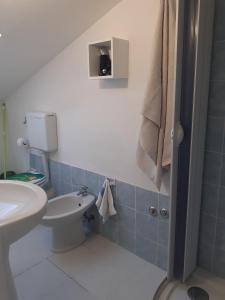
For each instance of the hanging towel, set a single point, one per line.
(105, 201)
(154, 146)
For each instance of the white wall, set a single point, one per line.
(98, 121)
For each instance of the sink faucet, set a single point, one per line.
(83, 191)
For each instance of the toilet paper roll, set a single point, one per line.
(21, 142)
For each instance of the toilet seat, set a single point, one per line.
(30, 176)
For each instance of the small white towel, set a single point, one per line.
(105, 201)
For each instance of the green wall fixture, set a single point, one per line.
(4, 137)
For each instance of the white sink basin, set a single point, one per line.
(22, 206)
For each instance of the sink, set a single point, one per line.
(22, 205)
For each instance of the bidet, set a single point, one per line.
(65, 217)
(22, 206)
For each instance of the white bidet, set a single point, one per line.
(65, 217)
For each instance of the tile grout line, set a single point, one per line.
(213, 152)
(214, 184)
(219, 41)
(218, 199)
(68, 276)
(214, 116)
(29, 268)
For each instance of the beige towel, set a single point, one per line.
(154, 148)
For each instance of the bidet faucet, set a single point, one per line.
(83, 191)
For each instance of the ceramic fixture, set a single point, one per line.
(41, 140)
(202, 285)
(65, 216)
(21, 207)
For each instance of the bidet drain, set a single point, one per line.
(197, 293)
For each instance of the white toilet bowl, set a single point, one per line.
(64, 215)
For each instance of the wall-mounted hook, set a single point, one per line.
(112, 181)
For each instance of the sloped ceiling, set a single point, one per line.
(34, 31)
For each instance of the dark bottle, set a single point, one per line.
(105, 63)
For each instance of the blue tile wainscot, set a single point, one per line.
(133, 227)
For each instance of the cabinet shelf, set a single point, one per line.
(118, 50)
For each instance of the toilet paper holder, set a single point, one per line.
(22, 142)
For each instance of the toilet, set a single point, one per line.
(65, 217)
(41, 140)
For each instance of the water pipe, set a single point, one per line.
(4, 138)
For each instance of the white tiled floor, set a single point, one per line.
(97, 270)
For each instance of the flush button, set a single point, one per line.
(164, 213)
(152, 211)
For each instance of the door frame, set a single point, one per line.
(205, 23)
(194, 41)
(175, 147)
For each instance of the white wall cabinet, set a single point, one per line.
(119, 53)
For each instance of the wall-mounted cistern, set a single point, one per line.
(22, 205)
